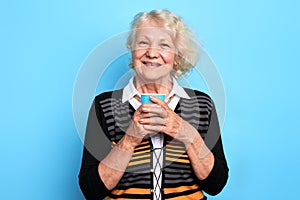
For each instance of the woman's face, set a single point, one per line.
(154, 53)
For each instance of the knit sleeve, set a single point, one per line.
(217, 178)
(96, 147)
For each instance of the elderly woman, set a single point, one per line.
(167, 149)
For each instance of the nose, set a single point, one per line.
(152, 52)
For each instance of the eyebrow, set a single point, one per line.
(142, 36)
(160, 40)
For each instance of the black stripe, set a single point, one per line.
(178, 194)
(132, 196)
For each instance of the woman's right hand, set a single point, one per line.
(136, 131)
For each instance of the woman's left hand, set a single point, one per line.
(160, 118)
(168, 122)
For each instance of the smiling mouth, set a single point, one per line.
(151, 64)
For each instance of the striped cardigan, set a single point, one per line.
(108, 121)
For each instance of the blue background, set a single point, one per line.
(254, 44)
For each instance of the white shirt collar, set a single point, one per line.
(130, 91)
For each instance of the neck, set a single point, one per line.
(157, 87)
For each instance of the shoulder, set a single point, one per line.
(196, 94)
(109, 95)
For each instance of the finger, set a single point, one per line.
(153, 121)
(154, 128)
(156, 111)
(139, 113)
(146, 107)
(158, 101)
(151, 111)
(150, 105)
(146, 115)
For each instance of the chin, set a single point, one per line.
(152, 78)
(153, 75)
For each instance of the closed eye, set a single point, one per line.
(165, 45)
(143, 43)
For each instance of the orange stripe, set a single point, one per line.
(175, 146)
(131, 191)
(175, 150)
(143, 144)
(177, 160)
(180, 189)
(108, 198)
(196, 195)
(140, 156)
(139, 162)
(176, 142)
(143, 147)
(141, 152)
(177, 155)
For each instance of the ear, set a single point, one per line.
(131, 63)
(175, 64)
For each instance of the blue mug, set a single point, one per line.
(145, 98)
